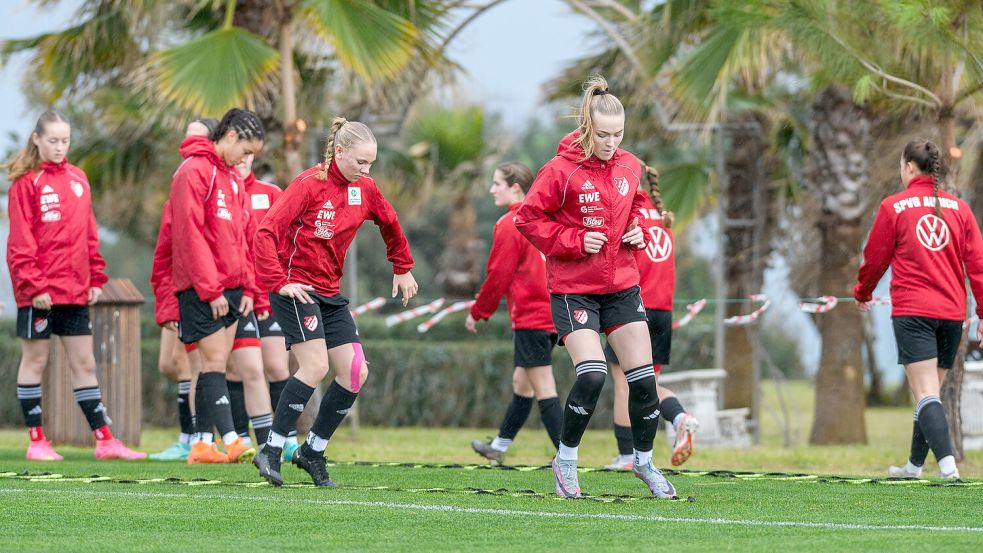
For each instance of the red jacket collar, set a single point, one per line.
(54, 167)
(569, 149)
(335, 176)
(922, 180)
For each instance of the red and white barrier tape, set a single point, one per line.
(692, 310)
(370, 306)
(821, 305)
(453, 308)
(740, 320)
(432, 307)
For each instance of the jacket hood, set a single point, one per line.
(570, 150)
(201, 146)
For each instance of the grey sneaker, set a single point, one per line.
(496, 456)
(658, 485)
(902, 472)
(954, 476)
(565, 475)
(621, 462)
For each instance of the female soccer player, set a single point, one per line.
(57, 273)
(657, 272)
(582, 213)
(213, 268)
(517, 270)
(300, 252)
(927, 236)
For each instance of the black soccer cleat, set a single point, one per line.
(313, 463)
(268, 463)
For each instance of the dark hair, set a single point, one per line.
(926, 156)
(516, 173)
(652, 176)
(245, 123)
(29, 159)
(210, 123)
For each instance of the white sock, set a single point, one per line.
(316, 442)
(912, 469)
(277, 440)
(501, 444)
(184, 438)
(229, 437)
(643, 458)
(567, 453)
(947, 464)
(206, 437)
(678, 420)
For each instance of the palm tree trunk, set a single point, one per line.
(459, 264)
(293, 129)
(839, 179)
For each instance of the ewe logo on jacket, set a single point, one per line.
(659, 245)
(50, 203)
(223, 212)
(323, 224)
(932, 232)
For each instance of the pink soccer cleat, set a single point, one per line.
(114, 449)
(40, 450)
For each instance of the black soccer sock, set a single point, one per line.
(931, 418)
(671, 408)
(643, 406)
(294, 398)
(30, 403)
(237, 400)
(261, 426)
(334, 406)
(625, 439)
(919, 445)
(581, 400)
(90, 401)
(212, 404)
(276, 388)
(551, 413)
(515, 416)
(184, 407)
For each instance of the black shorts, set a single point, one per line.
(247, 333)
(533, 348)
(196, 320)
(660, 333)
(922, 338)
(60, 320)
(598, 312)
(327, 318)
(269, 327)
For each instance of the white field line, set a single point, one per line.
(511, 512)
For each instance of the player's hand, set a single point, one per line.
(471, 324)
(863, 306)
(94, 294)
(42, 302)
(297, 292)
(220, 307)
(406, 285)
(593, 241)
(245, 306)
(262, 316)
(634, 235)
(170, 325)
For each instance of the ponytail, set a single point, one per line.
(596, 99)
(652, 176)
(29, 159)
(926, 156)
(346, 134)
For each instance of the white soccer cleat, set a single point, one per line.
(621, 462)
(954, 475)
(683, 447)
(656, 482)
(903, 472)
(565, 477)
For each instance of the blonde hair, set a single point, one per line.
(652, 176)
(346, 134)
(596, 100)
(29, 159)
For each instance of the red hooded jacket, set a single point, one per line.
(657, 262)
(926, 254)
(53, 246)
(572, 196)
(162, 272)
(517, 270)
(210, 222)
(305, 235)
(262, 196)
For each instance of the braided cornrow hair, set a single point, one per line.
(926, 156)
(346, 134)
(653, 181)
(245, 123)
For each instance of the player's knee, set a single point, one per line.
(359, 369)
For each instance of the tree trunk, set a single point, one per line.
(459, 264)
(875, 392)
(951, 395)
(839, 178)
(293, 129)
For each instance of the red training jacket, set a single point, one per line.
(926, 254)
(517, 270)
(305, 235)
(162, 272)
(210, 222)
(53, 246)
(571, 197)
(262, 196)
(657, 261)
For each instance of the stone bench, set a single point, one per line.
(701, 393)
